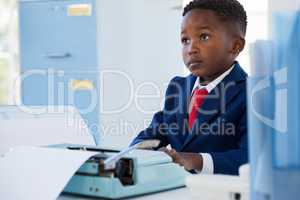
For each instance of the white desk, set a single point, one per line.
(181, 193)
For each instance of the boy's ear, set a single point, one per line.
(238, 45)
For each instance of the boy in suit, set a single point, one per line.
(204, 117)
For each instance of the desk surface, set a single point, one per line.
(182, 193)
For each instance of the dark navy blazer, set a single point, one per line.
(221, 125)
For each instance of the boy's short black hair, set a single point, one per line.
(228, 9)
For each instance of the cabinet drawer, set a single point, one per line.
(53, 36)
(80, 90)
(41, 87)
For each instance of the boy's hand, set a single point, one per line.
(188, 160)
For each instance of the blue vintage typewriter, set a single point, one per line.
(116, 174)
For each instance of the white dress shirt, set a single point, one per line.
(208, 164)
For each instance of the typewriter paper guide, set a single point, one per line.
(38, 173)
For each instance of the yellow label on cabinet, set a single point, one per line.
(80, 10)
(81, 85)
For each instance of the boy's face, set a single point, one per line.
(208, 46)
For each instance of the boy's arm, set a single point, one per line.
(223, 162)
(229, 162)
(159, 127)
(154, 131)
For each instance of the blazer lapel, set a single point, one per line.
(216, 102)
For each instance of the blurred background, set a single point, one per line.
(257, 10)
(9, 51)
(136, 41)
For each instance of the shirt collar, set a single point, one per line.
(209, 87)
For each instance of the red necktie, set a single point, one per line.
(196, 102)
